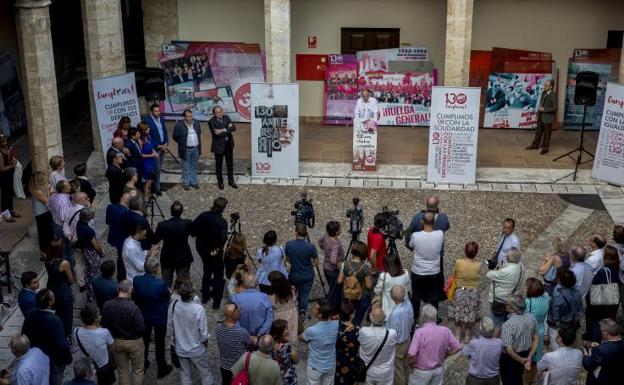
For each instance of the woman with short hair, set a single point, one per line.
(270, 258)
(284, 302)
(565, 306)
(465, 308)
(97, 343)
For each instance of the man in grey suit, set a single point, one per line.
(187, 133)
(545, 118)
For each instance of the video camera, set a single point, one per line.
(394, 227)
(356, 216)
(304, 211)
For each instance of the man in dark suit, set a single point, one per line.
(221, 127)
(546, 109)
(26, 297)
(80, 171)
(117, 147)
(105, 286)
(115, 213)
(134, 146)
(608, 356)
(45, 331)
(114, 174)
(175, 254)
(151, 295)
(210, 230)
(158, 134)
(134, 217)
(187, 133)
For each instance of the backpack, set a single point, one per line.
(352, 289)
(242, 378)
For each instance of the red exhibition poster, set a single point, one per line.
(311, 67)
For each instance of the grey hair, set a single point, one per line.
(428, 314)
(152, 266)
(513, 255)
(83, 368)
(20, 345)
(250, 281)
(397, 293)
(136, 203)
(124, 286)
(487, 327)
(86, 214)
(578, 253)
(517, 303)
(377, 317)
(610, 327)
(266, 343)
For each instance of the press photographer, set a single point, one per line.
(304, 211)
(356, 220)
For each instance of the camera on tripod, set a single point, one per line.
(234, 217)
(356, 218)
(304, 211)
(394, 227)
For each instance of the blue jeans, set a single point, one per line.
(158, 164)
(303, 293)
(189, 166)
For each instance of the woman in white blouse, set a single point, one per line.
(393, 275)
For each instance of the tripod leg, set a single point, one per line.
(322, 282)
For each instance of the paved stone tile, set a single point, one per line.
(314, 182)
(427, 185)
(544, 188)
(342, 182)
(272, 181)
(485, 186)
(499, 187)
(589, 189)
(385, 183)
(530, 187)
(285, 182)
(256, 180)
(243, 179)
(356, 183)
(442, 186)
(370, 183)
(300, 182)
(413, 184)
(399, 183)
(514, 187)
(328, 182)
(574, 189)
(559, 188)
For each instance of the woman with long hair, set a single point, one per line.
(393, 275)
(149, 154)
(347, 346)
(284, 302)
(465, 309)
(285, 351)
(560, 258)
(236, 254)
(60, 279)
(40, 193)
(7, 169)
(270, 258)
(536, 302)
(91, 250)
(236, 285)
(122, 128)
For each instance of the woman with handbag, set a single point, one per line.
(465, 308)
(96, 343)
(605, 291)
(393, 275)
(347, 346)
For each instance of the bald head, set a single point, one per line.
(265, 344)
(249, 281)
(81, 198)
(432, 202)
(377, 316)
(20, 345)
(397, 293)
(118, 143)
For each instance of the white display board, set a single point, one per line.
(609, 161)
(275, 130)
(115, 97)
(453, 135)
(364, 145)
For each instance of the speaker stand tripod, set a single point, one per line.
(579, 150)
(149, 210)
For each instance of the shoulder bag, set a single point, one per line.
(105, 374)
(360, 369)
(175, 360)
(242, 378)
(605, 294)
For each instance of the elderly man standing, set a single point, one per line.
(401, 320)
(596, 257)
(506, 281)
(520, 340)
(117, 147)
(256, 308)
(31, 366)
(321, 339)
(72, 216)
(262, 368)
(232, 341)
(431, 345)
(189, 326)
(58, 205)
(377, 349)
(608, 356)
(581, 269)
(484, 353)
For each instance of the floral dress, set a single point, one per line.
(288, 370)
(347, 350)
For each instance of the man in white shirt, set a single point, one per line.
(381, 371)
(189, 325)
(427, 280)
(133, 255)
(506, 280)
(187, 133)
(562, 367)
(508, 240)
(596, 257)
(366, 107)
(72, 216)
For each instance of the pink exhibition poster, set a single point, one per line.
(341, 91)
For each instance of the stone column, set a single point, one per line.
(277, 40)
(458, 42)
(104, 47)
(160, 25)
(39, 81)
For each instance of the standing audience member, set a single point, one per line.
(609, 274)
(236, 254)
(581, 269)
(175, 255)
(551, 264)
(465, 309)
(189, 327)
(114, 174)
(105, 286)
(58, 205)
(430, 346)
(45, 331)
(151, 294)
(285, 351)
(270, 258)
(379, 342)
(506, 281)
(302, 257)
(210, 230)
(484, 353)
(221, 128)
(355, 276)
(92, 251)
(565, 307)
(596, 257)
(536, 303)
(427, 278)
(347, 346)
(135, 216)
(520, 340)
(117, 147)
(122, 128)
(57, 165)
(96, 343)
(115, 213)
(187, 134)
(135, 157)
(608, 356)
(7, 170)
(564, 364)
(60, 279)
(262, 369)
(402, 321)
(83, 373)
(125, 322)
(321, 339)
(160, 140)
(393, 275)
(31, 366)
(80, 201)
(377, 243)
(80, 171)
(333, 257)
(256, 309)
(26, 297)
(133, 255)
(284, 302)
(130, 179)
(40, 193)
(232, 341)
(509, 240)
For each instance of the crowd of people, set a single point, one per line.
(378, 323)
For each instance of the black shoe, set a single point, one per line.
(220, 185)
(185, 187)
(195, 186)
(157, 193)
(233, 185)
(544, 151)
(216, 306)
(146, 366)
(165, 373)
(205, 299)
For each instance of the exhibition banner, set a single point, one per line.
(201, 75)
(115, 97)
(341, 91)
(453, 135)
(609, 160)
(401, 80)
(12, 107)
(364, 145)
(275, 130)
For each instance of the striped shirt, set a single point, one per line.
(59, 205)
(518, 332)
(232, 343)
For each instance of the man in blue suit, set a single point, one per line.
(134, 146)
(26, 296)
(151, 295)
(158, 134)
(117, 234)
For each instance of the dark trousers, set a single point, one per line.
(64, 307)
(226, 376)
(45, 231)
(542, 133)
(511, 370)
(335, 290)
(167, 273)
(6, 196)
(360, 306)
(472, 380)
(121, 268)
(303, 294)
(213, 280)
(68, 252)
(160, 331)
(426, 288)
(229, 163)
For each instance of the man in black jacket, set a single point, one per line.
(114, 174)
(608, 356)
(221, 128)
(210, 230)
(133, 217)
(45, 331)
(175, 254)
